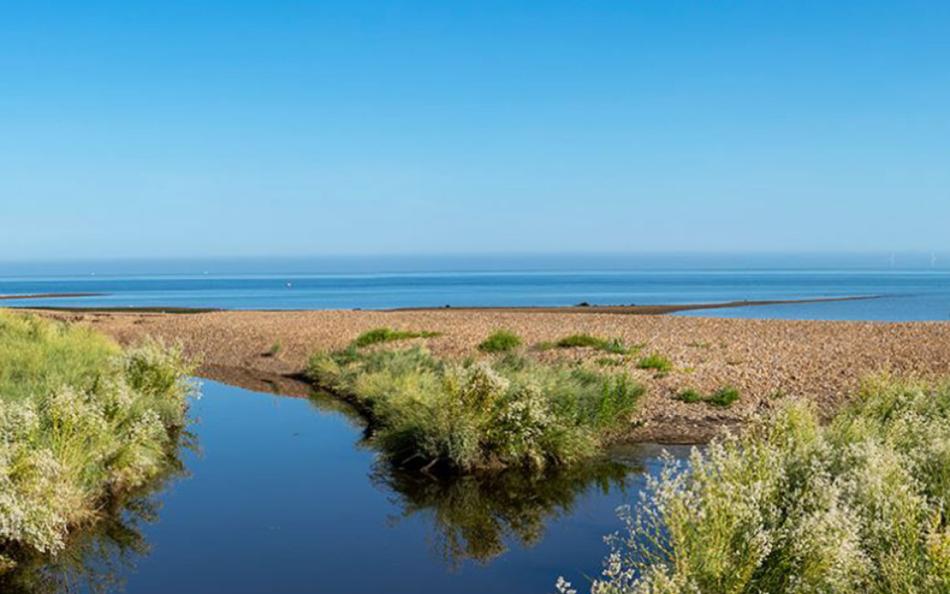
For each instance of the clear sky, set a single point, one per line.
(168, 129)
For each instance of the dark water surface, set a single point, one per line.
(902, 295)
(283, 498)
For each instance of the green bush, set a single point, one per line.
(612, 345)
(657, 362)
(500, 341)
(858, 505)
(690, 396)
(476, 415)
(80, 422)
(381, 335)
(723, 397)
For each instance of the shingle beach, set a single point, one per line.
(765, 360)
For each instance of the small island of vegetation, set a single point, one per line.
(477, 414)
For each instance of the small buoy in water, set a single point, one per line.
(289, 285)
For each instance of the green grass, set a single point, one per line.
(81, 421)
(656, 362)
(612, 345)
(855, 505)
(478, 415)
(690, 395)
(383, 335)
(500, 341)
(723, 397)
(274, 349)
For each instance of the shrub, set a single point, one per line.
(476, 415)
(613, 345)
(579, 340)
(657, 362)
(690, 396)
(789, 505)
(80, 422)
(381, 335)
(500, 341)
(723, 397)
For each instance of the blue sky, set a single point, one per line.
(171, 129)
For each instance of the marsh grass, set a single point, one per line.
(81, 422)
(474, 415)
(858, 505)
(500, 341)
(383, 335)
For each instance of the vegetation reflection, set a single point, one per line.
(96, 559)
(476, 517)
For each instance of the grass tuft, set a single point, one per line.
(382, 335)
(612, 345)
(656, 362)
(500, 341)
(690, 396)
(723, 397)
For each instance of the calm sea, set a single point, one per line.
(903, 290)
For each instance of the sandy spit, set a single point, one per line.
(765, 359)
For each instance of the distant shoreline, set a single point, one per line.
(49, 296)
(643, 310)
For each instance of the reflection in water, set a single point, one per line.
(472, 517)
(98, 558)
(262, 491)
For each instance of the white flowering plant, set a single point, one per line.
(794, 506)
(81, 421)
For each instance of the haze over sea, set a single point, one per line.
(905, 286)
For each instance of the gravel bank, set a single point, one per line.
(821, 361)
